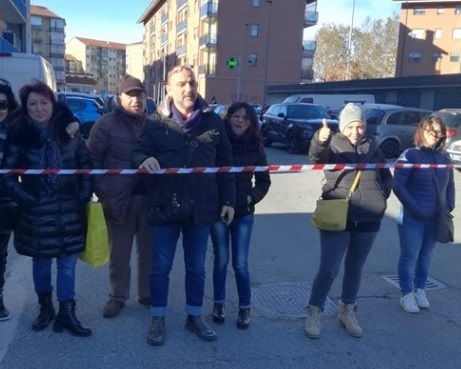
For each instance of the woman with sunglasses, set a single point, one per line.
(8, 107)
(420, 192)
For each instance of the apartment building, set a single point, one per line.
(104, 60)
(429, 38)
(48, 33)
(15, 26)
(135, 60)
(237, 47)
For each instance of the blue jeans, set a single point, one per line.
(195, 242)
(356, 246)
(238, 234)
(65, 276)
(417, 241)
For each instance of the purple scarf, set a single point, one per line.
(190, 122)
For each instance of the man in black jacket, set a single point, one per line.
(184, 133)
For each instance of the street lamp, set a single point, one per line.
(349, 47)
(266, 65)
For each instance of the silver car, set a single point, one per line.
(392, 126)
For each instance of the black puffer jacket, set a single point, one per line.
(5, 201)
(368, 203)
(50, 224)
(248, 151)
(201, 195)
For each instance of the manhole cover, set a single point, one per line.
(287, 300)
(431, 283)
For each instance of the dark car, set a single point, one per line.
(294, 124)
(63, 95)
(392, 126)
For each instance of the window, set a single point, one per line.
(438, 33)
(414, 57)
(454, 58)
(254, 30)
(458, 9)
(435, 57)
(419, 10)
(256, 3)
(419, 34)
(252, 60)
(440, 10)
(35, 21)
(456, 33)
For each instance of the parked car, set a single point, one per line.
(220, 109)
(294, 124)
(62, 96)
(452, 118)
(393, 126)
(454, 149)
(86, 110)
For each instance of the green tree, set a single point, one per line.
(372, 53)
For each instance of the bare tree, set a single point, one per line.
(372, 54)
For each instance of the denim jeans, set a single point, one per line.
(417, 241)
(195, 242)
(238, 235)
(65, 276)
(4, 239)
(333, 246)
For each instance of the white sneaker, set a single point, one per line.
(421, 299)
(408, 303)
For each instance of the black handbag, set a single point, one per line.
(169, 214)
(445, 228)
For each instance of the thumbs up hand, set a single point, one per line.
(324, 132)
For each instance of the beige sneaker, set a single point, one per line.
(408, 303)
(348, 319)
(421, 299)
(313, 327)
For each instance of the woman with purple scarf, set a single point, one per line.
(51, 208)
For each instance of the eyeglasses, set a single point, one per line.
(437, 134)
(3, 104)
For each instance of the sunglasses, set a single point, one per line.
(3, 105)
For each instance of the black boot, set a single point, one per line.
(47, 313)
(4, 313)
(194, 323)
(156, 334)
(243, 320)
(219, 314)
(66, 319)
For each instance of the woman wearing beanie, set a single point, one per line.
(366, 210)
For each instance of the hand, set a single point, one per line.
(72, 129)
(150, 164)
(324, 132)
(227, 214)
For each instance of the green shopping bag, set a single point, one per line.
(96, 251)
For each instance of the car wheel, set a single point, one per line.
(292, 143)
(266, 141)
(390, 148)
(86, 128)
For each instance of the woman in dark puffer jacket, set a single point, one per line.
(52, 220)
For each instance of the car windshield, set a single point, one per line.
(451, 120)
(306, 112)
(373, 116)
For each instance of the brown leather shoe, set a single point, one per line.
(194, 323)
(112, 308)
(156, 334)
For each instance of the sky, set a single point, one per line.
(116, 20)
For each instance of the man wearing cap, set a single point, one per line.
(111, 142)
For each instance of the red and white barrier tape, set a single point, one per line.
(248, 169)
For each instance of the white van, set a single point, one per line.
(20, 69)
(332, 102)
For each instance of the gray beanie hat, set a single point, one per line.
(350, 113)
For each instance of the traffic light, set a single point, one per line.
(232, 63)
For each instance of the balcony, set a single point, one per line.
(13, 11)
(209, 40)
(207, 69)
(181, 27)
(180, 51)
(209, 9)
(181, 4)
(164, 18)
(152, 29)
(310, 18)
